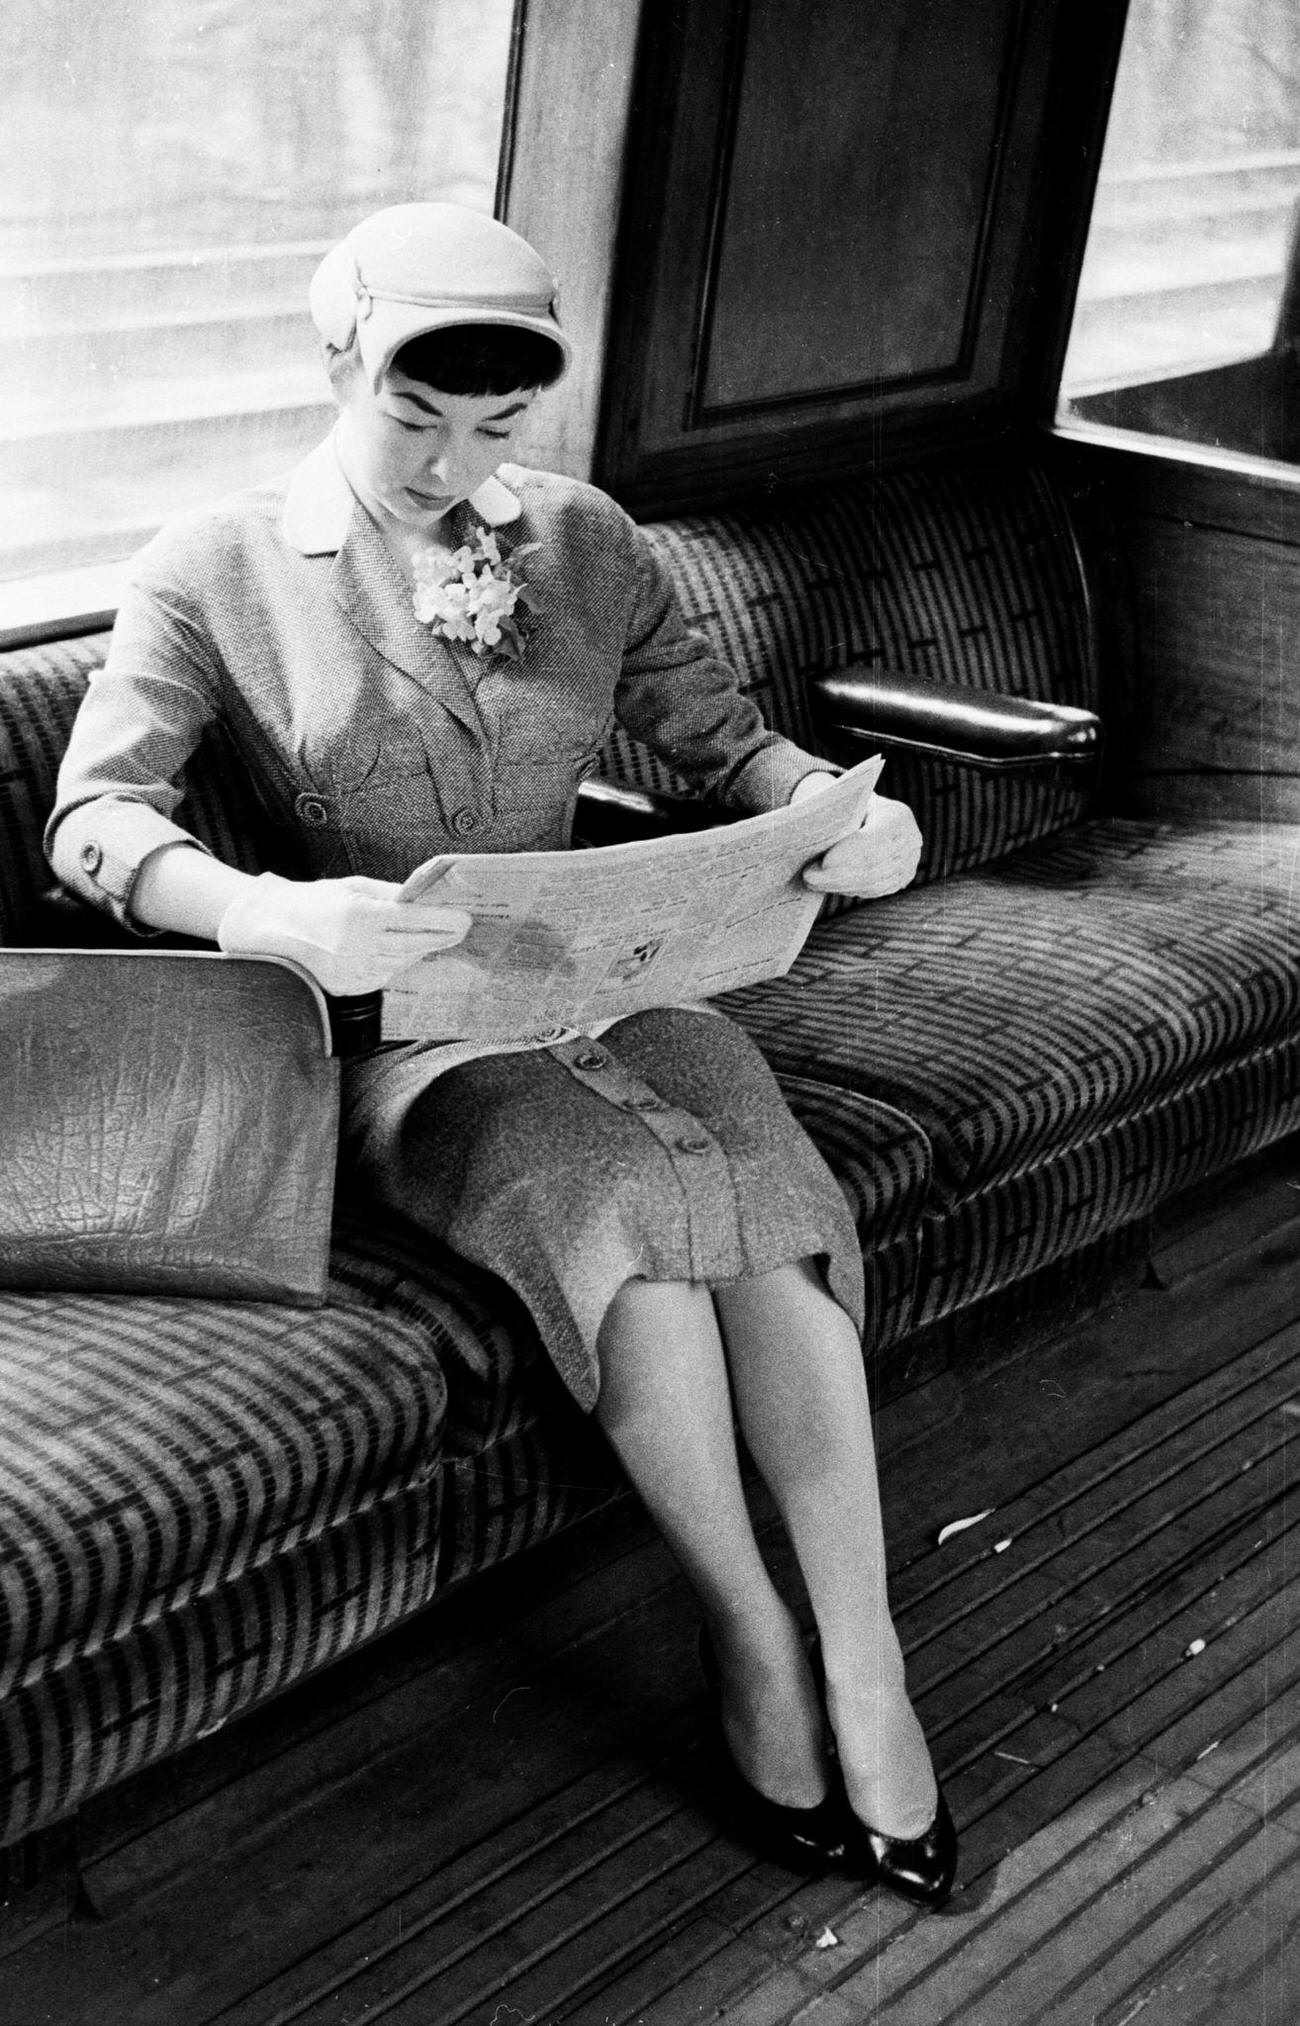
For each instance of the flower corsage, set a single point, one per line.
(473, 595)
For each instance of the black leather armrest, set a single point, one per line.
(975, 728)
(608, 814)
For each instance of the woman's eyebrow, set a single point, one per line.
(418, 400)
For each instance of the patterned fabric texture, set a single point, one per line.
(967, 576)
(152, 1450)
(1075, 1032)
(110, 1713)
(1046, 1213)
(1025, 1007)
(523, 1487)
(161, 1459)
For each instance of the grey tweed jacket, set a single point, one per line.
(370, 741)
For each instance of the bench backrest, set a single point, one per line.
(968, 575)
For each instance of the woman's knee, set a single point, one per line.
(647, 1311)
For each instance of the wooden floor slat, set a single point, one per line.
(472, 1902)
(1241, 1969)
(507, 1819)
(1092, 1489)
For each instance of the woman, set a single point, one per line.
(415, 649)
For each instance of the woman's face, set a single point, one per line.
(419, 452)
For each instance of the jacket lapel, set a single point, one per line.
(323, 517)
(370, 588)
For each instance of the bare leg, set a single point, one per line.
(801, 1396)
(665, 1405)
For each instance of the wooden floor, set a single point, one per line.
(502, 1813)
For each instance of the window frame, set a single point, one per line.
(1155, 466)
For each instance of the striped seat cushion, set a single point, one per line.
(548, 1471)
(111, 1712)
(1026, 1008)
(156, 1451)
(1074, 1196)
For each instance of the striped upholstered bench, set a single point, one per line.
(1072, 1015)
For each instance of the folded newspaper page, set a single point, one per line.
(567, 938)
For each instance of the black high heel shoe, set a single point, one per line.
(920, 1868)
(799, 1839)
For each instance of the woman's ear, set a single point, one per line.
(341, 368)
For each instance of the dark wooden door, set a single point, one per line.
(833, 240)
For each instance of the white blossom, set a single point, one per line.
(470, 595)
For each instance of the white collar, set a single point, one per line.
(319, 502)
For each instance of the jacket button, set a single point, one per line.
(311, 809)
(688, 1145)
(90, 857)
(464, 823)
(590, 1059)
(643, 1104)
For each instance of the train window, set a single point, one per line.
(170, 172)
(1187, 323)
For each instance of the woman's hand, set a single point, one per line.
(878, 859)
(352, 934)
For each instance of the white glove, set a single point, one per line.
(878, 859)
(352, 934)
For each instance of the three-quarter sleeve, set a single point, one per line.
(685, 703)
(123, 773)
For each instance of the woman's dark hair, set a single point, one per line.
(481, 359)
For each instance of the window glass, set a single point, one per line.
(1188, 316)
(170, 173)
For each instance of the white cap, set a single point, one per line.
(424, 267)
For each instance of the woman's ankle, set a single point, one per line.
(885, 1762)
(770, 1713)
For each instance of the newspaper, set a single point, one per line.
(570, 938)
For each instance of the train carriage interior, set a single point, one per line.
(947, 350)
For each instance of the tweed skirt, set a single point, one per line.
(662, 1151)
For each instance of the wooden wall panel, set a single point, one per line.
(562, 184)
(829, 250)
(850, 245)
(1211, 559)
(1219, 623)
